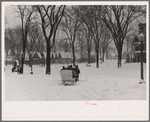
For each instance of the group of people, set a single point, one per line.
(75, 69)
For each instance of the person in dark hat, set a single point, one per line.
(63, 68)
(69, 67)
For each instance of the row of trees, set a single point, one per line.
(98, 25)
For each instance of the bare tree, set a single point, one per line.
(81, 44)
(118, 18)
(9, 43)
(106, 40)
(39, 44)
(63, 45)
(35, 40)
(12, 41)
(90, 17)
(51, 16)
(31, 41)
(70, 26)
(26, 13)
(88, 37)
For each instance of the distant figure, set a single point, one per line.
(16, 65)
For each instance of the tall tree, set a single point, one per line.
(63, 45)
(84, 30)
(70, 26)
(81, 44)
(35, 41)
(90, 17)
(12, 41)
(118, 18)
(51, 16)
(27, 22)
(106, 40)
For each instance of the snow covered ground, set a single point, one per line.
(104, 83)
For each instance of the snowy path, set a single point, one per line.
(104, 83)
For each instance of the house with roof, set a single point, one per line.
(38, 58)
(35, 58)
(56, 57)
(60, 57)
(10, 57)
(63, 58)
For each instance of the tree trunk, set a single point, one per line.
(119, 58)
(22, 58)
(127, 56)
(6, 57)
(131, 53)
(73, 52)
(89, 56)
(97, 56)
(103, 55)
(48, 70)
(81, 52)
(106, 52)
(89, 40)
(88, 50)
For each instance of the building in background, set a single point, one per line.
(60, 57)
(137, 44)
(37, 58)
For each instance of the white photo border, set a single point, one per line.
(76, 110)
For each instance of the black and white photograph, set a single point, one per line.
(87, 52)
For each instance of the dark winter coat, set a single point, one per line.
(76, 69)
(63, 68)
(69, 67)
(15, 64)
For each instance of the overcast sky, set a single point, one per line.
(11, 17)
(13, 20)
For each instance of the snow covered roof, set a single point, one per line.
(63, 54)
(10, 56)
(57, 54)
(36, 55)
